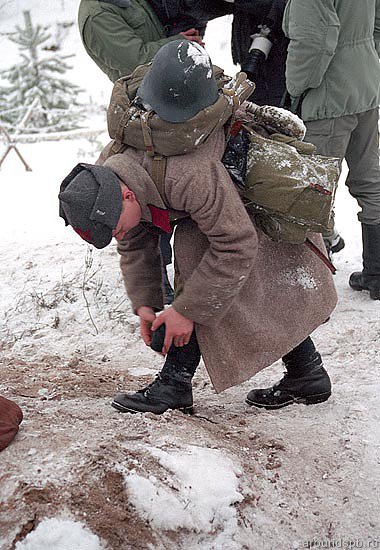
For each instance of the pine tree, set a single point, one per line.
(38, 76)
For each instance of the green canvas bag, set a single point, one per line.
(289, 188)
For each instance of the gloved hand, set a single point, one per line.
(158, 338)
(278, 120)
(193, 35)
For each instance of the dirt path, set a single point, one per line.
(306, 473)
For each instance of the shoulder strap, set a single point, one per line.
(147, 132)
(158, 164)
(325, 259)
(118, 146)
(235, 105)
(158, 170)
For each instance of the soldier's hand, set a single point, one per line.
(193, 35)
(178, 329)
(147, 317)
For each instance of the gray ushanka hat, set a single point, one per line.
(90, 201)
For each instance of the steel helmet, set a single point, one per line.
(180, 81)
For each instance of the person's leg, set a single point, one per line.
(362, 155)
(172, 387)
(305, 381)
(364, 184)
(331, 138)
(166, 257)
(369, 277)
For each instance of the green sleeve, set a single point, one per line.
(121, 50)
(376, 33)
(313, 30)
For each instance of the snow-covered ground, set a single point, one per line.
(81, 476)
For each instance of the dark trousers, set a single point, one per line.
(165, 248)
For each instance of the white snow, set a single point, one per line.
(199, 501)
(60, 534)
(300, 276)
(199, 57)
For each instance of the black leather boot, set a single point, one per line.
(170, 390)
(308, 383)
(369, 278)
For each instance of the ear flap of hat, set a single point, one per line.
(91, 202)
(68, 179)
(108, 203)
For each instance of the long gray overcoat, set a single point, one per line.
(252, 300)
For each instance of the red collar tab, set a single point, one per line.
(320, 188)
(85, 234)
(235, 128)
(160, 218)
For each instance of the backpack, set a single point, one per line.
(289, 189)
(129, 124)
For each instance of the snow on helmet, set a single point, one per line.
(180, 81)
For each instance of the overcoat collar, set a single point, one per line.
(136, 178)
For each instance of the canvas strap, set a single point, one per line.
(158, 165)
(314, 248)
(118, 146)
(158, 170)
(230, 92)
(147, 132)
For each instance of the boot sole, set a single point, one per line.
(309, 400)
(338, 247)
(357, 288)
(373, 294)
(123, 409)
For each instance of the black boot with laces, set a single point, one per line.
(170, 390)
(306, 382)
(172, 387)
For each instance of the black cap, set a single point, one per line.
(180, 81)
(90, 201)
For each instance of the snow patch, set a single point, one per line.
(199, 57)
(60, 534)
(140, 371)
(300, 276)
(198, 501)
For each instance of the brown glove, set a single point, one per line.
(10, 418)
(277, 120)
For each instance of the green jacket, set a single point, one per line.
(119, 39)
(333, 56)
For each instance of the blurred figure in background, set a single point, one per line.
(258, 43)
(259, 46)
(333, 75)
(119, 35)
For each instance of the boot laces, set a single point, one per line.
(153, 385)
(283, 379)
